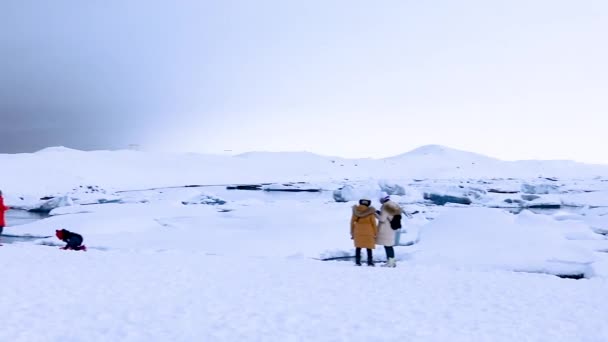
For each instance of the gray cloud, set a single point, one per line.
(242, 75)
(88, 74)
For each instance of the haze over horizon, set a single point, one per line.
(514, 80)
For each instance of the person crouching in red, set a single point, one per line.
(73, 240)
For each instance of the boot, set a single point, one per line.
(390, 263)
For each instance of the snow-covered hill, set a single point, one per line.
(455, 261)
(60, 169)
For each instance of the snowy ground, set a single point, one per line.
(51, 295)
(161, 267)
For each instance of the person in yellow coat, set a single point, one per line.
(363, 230)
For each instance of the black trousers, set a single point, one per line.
(370, 257)
(1, 229)
(74, 242)
(390, 252)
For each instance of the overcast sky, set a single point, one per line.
(512, 79)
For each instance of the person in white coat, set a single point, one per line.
(387, 236)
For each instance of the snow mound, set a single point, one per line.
(440, 195)
(438, 151)
(498, 240)
(57, 149)
(206, 199)
(596, 198)
(391, 188)
(547, 201)
(539, 189)
(350, 193)
(53, 203)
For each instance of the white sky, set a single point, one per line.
(511, 79)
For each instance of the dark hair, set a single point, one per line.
(365, 202)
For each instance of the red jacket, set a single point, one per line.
(3, 208)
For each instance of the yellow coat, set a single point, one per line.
(363, 227)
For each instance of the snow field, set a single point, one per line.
(184, 296)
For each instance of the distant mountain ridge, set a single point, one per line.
(425, 152)
(419, 152)
(439, 151)
(60, 169)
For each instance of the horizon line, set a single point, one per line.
(232, 153)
